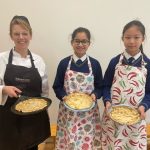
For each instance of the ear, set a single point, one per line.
(143, 39)
(71, 42)
(30, 36)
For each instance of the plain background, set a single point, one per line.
(53, 22)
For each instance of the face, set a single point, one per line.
(132, 39)
(21, 37)
(80, 44)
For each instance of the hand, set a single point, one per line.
(64, 98)
(11, 91)
(141, 109)
(108, 105)
(93, 97)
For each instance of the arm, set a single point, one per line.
(58, 84)
(5, 91)
(108, 79)
(45, 85)
(146, 100)
(98, 81)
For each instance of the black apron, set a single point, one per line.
(22, 132)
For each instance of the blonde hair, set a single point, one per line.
(22, 21)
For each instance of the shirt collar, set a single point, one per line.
(16, 54)
(75, 58)
(127, 55)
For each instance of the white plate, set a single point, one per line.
(80, 110)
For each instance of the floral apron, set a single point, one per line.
(128, 88)
(78, 130)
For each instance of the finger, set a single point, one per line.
(143, 115)
(17, 90)
(93, 97)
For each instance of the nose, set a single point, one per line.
(20, 36)
(80, 44)
(132, 40)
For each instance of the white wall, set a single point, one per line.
(53, 21)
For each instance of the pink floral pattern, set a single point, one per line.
(78, 130)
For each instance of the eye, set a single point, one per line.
(137, 37)
(16, 34)
(127, 37)
(25, 33)
(77, 41)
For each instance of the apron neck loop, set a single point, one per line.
(11, 57)
(121, 58)
(88, 60)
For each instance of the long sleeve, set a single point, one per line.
(45, 86)
(108, 78)
(58, 84)
(98, 79)
(146, 100)
(40, 65)
(3, 63)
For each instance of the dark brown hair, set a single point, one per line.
(81, 29)
(140, 26)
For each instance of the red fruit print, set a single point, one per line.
(132, 101)
(142, 127)
(131, 75)
(140, 93)
(117, 142)
(135, 83)
(125, 133)
(133, 142)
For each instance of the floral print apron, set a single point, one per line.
(128, 88)
(78, 130)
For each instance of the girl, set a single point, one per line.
(78, 72)
(132, 68)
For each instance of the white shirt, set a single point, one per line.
(127, 56)
(18, 60)
(75, 58)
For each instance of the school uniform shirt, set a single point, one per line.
(26, 62)
(58, 85)
(109, 74)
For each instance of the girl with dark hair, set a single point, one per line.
(22, 72)
(78, 130)
(132, 61)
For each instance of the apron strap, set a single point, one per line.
(31, 58)
(10, 57)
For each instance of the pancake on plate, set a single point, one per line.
(124, 115)
(31, 105)
(79, 100)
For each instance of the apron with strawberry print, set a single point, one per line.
(128, 88)
(78, 130)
